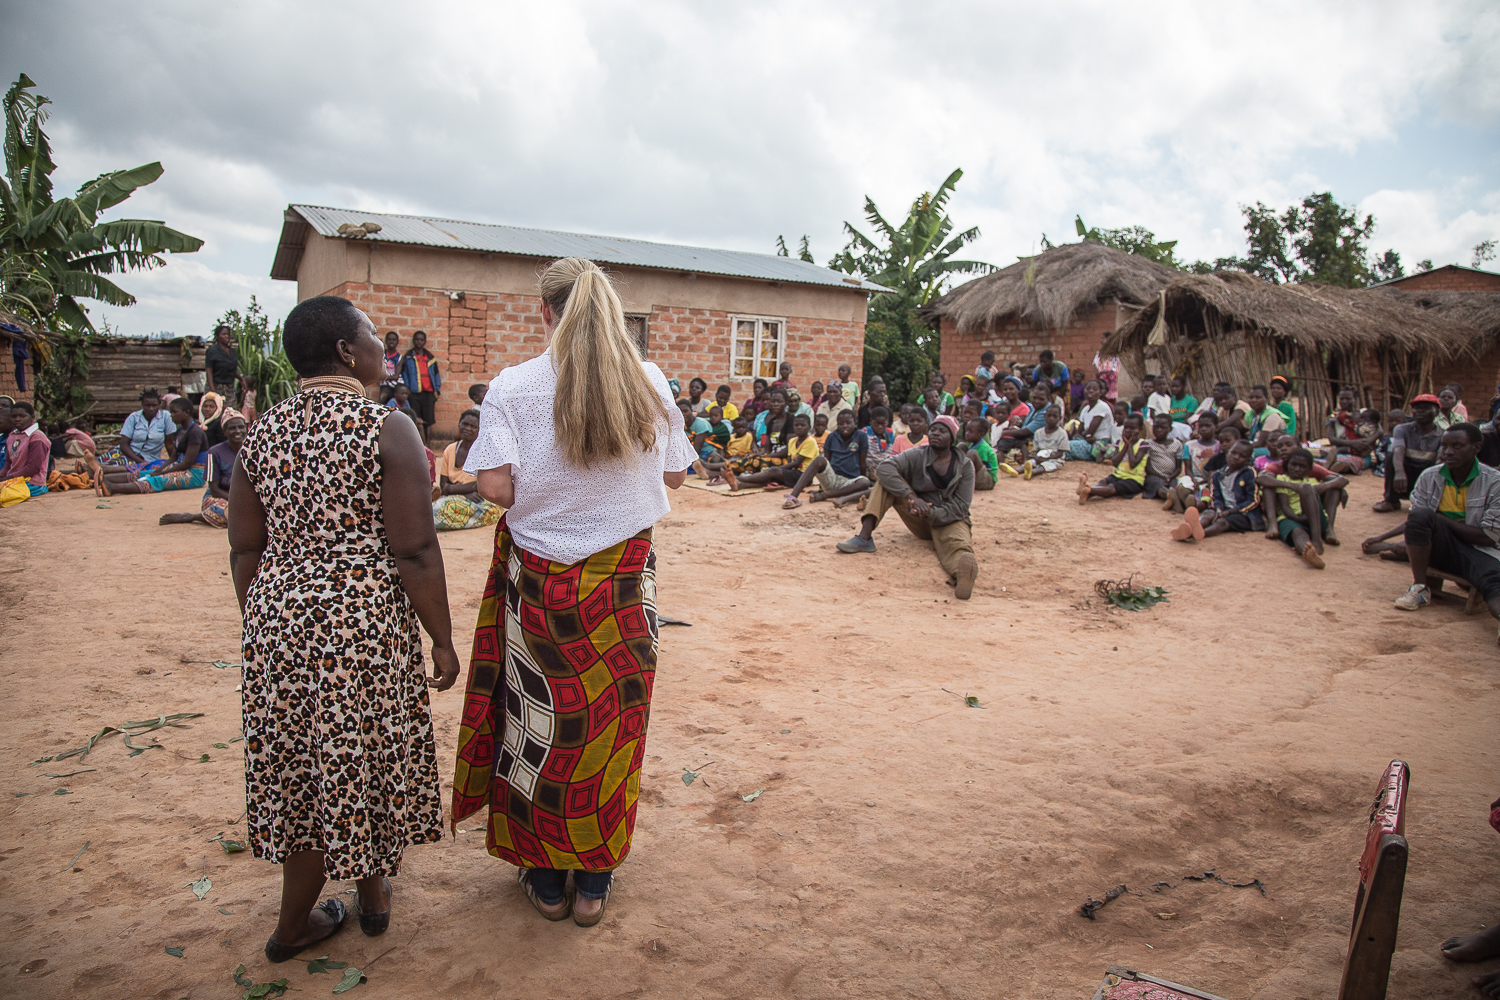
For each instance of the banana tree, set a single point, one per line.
(56, 252)
(916, 260)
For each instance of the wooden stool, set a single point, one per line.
(1435, 579)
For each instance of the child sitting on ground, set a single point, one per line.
(1234, 505)
(879, 436)
(1049, 446)
(1300, 520)
(1192, 488)
(899, 425)
(720, 431)
(978, 451)
(799, 450)
(1129, 460)
(1330, 488)
(820, 429)
(739, 443)
(916, 434)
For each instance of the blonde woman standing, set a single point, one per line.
(580, 446)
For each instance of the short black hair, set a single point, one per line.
(1299, 453)
(1262, 388)
(21, 404)
(1140, 421)
(987, 356)
(149, 394)
(1472, 431)
(313, 330)
(181, 403)
(1047, 355)
(723, 388)
(470, 413)
(880, 411)
(698, 380)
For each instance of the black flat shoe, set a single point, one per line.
(278, 952)
(375, 924)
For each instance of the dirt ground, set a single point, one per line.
(905, 844)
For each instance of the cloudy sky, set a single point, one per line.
(727, 124)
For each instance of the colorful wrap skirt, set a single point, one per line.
(215, 510)
(187, 479)
(116, 456)
(752, 463)
(553, 730)
(457, 512)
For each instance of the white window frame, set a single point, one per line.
(757, 345)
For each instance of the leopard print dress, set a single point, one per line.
(339, 753)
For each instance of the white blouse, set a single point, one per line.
(564, 512)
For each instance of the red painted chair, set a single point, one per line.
(1377, 910)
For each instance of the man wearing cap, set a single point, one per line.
(1454, 523)
(1414, 450)
(930, 487)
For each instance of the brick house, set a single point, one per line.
(1448, 278)
(726, 316)
(1471, 295)
(1066, 299)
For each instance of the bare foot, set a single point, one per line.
(1479, 947)
(729, 478)
(1311, 556)
(177, 519)
(1331, 538)
(1396, 553)
(1488, 985)
(1083, 488)
(1273, 534)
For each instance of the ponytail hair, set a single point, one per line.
(606, 407)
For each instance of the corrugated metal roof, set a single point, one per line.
(455, 235)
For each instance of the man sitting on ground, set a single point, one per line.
(1454, 523)
(1414, 449)
(930, 488)
(838, 469)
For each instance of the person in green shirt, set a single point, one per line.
(979, 452)
(1280, 385)
(1183, 405)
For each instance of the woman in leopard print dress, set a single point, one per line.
(335, 559)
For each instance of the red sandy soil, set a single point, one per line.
(905, 845)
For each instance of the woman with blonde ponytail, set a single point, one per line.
(580, 445)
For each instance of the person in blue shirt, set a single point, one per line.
(142, 436)
(840, 469)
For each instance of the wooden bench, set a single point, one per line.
(1435, 580)
(1377, 910)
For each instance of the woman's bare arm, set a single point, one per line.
(497, 486)
(406, 507)
(247, 533)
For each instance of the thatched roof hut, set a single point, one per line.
(1053, 287)
(1237, 328)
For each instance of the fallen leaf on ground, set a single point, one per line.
(174, 952)
(688, 776)
(70, 774)
(200, 887)
(227, 913)
(352, 978)
(323, 965)
(753, 795)
(203, 759)
(239, 977)
(972, 701)
(221, 746)
(231, 846)
(62, 791)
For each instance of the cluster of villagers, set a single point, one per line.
(1223, 463)
(337, 568)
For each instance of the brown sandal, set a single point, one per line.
(565, 907)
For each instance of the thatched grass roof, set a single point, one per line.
(1317, 316)
(1051, 288)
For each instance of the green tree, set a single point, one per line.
(1317, 240)
(55, 252)
(914, 260)
(260, 351)
(1388, 267)
(803, 253)
(1132, 239)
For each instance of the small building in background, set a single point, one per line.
(1066, 299)
(1448, 278)
(724, 315)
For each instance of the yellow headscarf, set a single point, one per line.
(218, 408)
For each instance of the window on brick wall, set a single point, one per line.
(758, 345)
(636, 324)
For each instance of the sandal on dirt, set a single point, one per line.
(278, 952)
(1386, 507)
(603, 904)
(536, 901)
(791, 503)
(375, 924)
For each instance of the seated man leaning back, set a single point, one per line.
(930, 487)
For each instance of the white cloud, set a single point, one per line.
(729, 124)
(1421, 222)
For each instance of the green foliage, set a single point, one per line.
(914, 260)
(1132, 239)
(1125, 594)
(803, 251)
(62, 386)
(1483, 251)
(1318, 240)
(260, 352)
(1388, 267)
(53, 253)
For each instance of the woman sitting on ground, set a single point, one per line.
(773, 429)
(186, 471)
(219, 472)
(142, 438)
(210, 417)
(460, 506)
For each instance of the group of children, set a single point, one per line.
(1223, 463)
